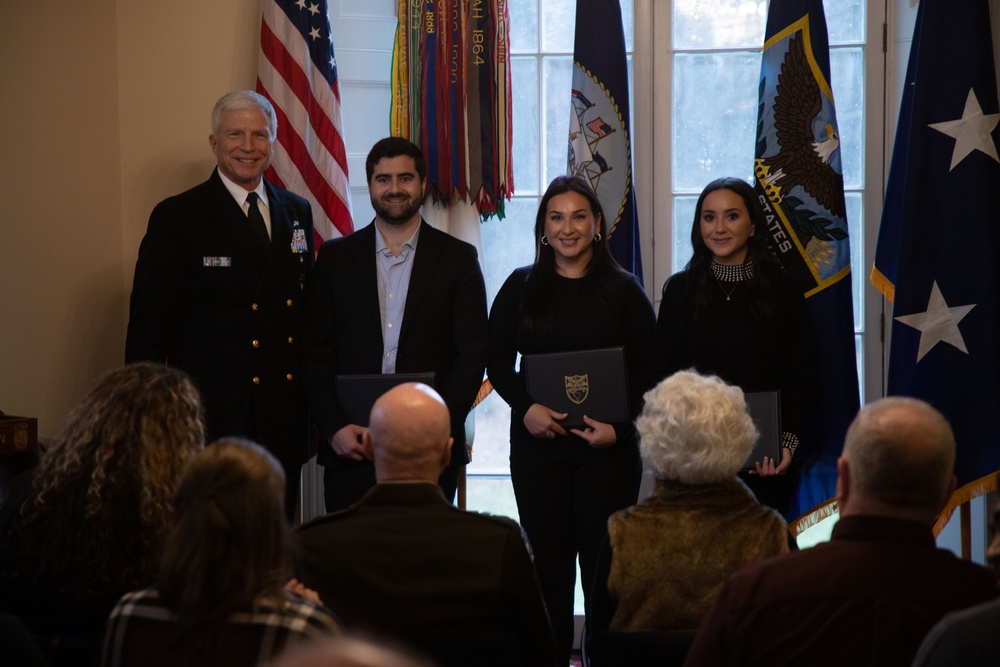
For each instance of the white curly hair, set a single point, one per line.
(695, 429)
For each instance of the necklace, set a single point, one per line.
(728, 293)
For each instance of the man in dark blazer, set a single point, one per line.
(397, 296)
(218, 285)
(406, 564)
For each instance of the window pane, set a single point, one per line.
(709, 24)
(859, 277)
(714, 117)
(557, 81)
(847, 68)
(508, 243)
(524, 120)
(491, 447)
(558, 25)
(494, 495)
(683, 218)
(627, 24)
(845, 21)
(523, 25)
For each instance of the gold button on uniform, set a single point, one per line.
(289, 303)
(288, 377)
(290, 340)
(256, 343)
(256, 380)
(254, 306)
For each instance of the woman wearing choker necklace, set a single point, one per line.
(733, 313)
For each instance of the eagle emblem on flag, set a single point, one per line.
(798, 168)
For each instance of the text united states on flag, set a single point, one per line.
(297, 71)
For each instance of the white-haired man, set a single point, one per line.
(218, 284)
(870, 594)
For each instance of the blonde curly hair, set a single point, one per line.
(101, 501)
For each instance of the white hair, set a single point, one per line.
(245, 100)
(695, 429)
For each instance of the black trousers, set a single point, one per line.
(565, 492)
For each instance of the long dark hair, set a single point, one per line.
(537, 311)
(102, 493)
(761, 287)
(228, 550)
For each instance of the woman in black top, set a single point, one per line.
(733, 313)
(568, 482)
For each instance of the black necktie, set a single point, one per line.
(256, 219)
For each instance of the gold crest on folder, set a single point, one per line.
(577, 388)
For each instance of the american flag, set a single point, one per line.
(297, 71)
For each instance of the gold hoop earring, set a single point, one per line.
(597, 237)
(544, 240)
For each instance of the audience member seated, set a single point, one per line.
(870, 594)
(87, 525)
(350, 651)
(664, 560)
(224, 596)
(969, 636)
(406, 564)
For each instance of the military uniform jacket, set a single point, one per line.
(210, 298)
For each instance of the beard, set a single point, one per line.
(397, 211)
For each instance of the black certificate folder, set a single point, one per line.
(358, 393)
(765, 409)
(587, 382)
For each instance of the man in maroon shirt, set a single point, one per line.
(869, 595)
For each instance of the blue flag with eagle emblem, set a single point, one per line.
(799, 180)
(939, 242)
(600, 139)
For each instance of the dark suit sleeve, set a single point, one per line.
(524, 604)
(639, 324)
(800, 386)
(600, 604)
(671, 317)
(319, 345)
(157, 289)
(504, 318)
(470, 338)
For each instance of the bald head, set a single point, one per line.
(898, 459)
(409, 434)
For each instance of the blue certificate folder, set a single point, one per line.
(765, 409)
(586, 382)
(358, 393)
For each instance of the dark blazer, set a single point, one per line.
(210, 298)
(444, 327)
(405, 563)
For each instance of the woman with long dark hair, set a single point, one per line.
(732, 312)
(567, 482)
(223, 595)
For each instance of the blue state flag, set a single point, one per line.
(799, 180)
(938, 253)
(600, 139)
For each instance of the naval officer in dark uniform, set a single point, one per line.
(218, 285)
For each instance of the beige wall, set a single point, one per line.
(103, 112)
